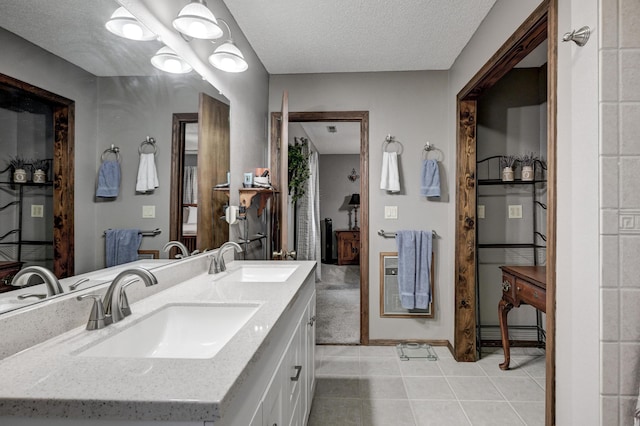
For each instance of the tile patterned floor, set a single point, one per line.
(370, 386)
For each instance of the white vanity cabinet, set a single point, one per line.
(287, 400)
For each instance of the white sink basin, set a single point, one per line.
(177, 331)
(271, 273)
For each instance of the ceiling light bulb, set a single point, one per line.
(229, 58)
(132, 31)
(197, 21)
(166, 59)
(123, 24)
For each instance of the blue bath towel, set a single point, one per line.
(414, 268)
(108, 179)
(430, 179)
(121, 246)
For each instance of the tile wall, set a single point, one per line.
(620, 209)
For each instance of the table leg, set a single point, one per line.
(503, 309)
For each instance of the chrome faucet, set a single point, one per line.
(217, 261)
(183, 249)
(50, 280)
(113, 300)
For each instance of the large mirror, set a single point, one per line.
(119, 100)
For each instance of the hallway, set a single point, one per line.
(338, 305)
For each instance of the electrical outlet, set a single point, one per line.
(390, 212)
(148, 212)
(515, 211)
(480, 212)
(37, 210)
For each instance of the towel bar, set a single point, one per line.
(384, 234)
(153, 233)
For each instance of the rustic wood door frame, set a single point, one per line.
(63, 173)
(540, 25)
(361, 117)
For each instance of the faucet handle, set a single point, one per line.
(97, 319)
(124, 301)
(77, 283)
(27, 295)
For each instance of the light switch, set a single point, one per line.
(480, 212)
(390, 212)
(148, 212)
(37, 210)
(515, 211)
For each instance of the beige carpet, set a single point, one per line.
(338, 305)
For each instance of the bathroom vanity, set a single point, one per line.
(233, 348)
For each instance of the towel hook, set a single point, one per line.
(428, 147)
(111, 150)
(148, 141)
(388, 140)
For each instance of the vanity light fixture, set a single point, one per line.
(166, 59)
(123, 24)
(227, 57)
(197, 21)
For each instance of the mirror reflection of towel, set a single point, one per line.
(147, 174)
(390, 178)
(108, 179)
(122, 246)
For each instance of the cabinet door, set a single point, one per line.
(257, 417)
(272, 404)
(310, 361)
(293, 372)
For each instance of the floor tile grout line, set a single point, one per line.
(509, 402)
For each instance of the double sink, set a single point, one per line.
(190, 330)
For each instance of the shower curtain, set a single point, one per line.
(190, 185)
(308, 244)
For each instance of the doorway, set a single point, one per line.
(362, 119)
(541, 25)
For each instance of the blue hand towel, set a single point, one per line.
(430, 179)
(414, 268)
(108, 179)
(122, 246)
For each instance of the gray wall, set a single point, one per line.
(410, 106)
(336, 190)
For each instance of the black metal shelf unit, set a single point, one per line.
(16, 190)
(489, 168)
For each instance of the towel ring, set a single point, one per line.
(149, 141)
(428, 147)
(392, 140)
(111, 150)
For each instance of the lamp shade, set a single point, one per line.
(123, 24)
(197, 21)
(166, 59)
(355, 200)
(227, 57)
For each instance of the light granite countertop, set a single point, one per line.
(51, 380)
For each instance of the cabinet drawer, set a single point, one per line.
(531, 295)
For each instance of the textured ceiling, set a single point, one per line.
(311, 36)
(346, 139)
(289, 36)
(75, 31)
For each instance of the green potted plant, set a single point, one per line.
(508, 162)
(528, 161)
(298, 169)
(40, 168)
(19, 172)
